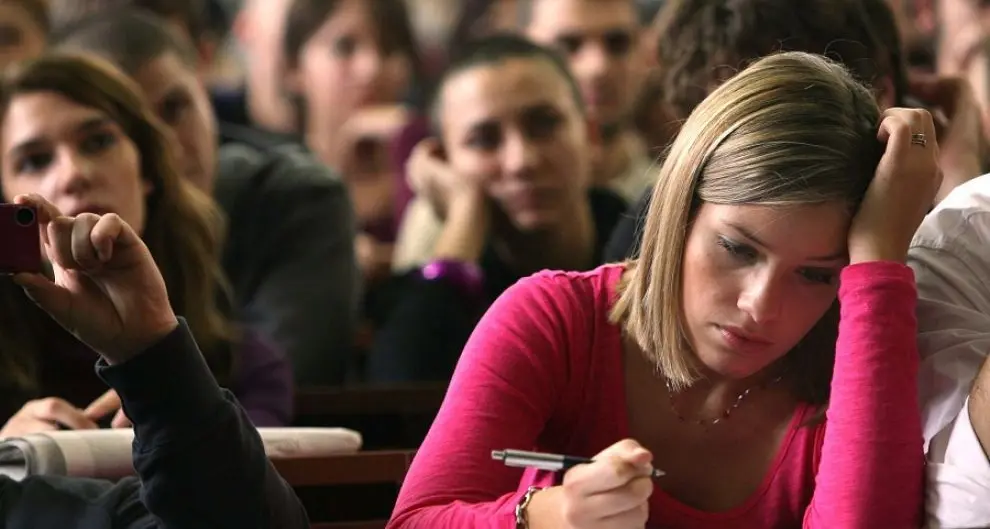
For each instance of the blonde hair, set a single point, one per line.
(793, 128)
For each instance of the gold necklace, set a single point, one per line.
(728, 411)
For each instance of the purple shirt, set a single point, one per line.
(262, 380)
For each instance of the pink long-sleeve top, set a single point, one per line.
(543, 371)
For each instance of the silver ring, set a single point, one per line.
(919, 139)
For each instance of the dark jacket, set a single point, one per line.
(423, 325)
(628, 235)
(201, 465)
(261, 379)
(290, 251)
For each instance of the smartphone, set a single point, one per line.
(20, 243)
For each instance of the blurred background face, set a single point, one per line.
(515, 127)
(600, 39)
(963, 24)
(343, 68)
(176, 94)
(503, 16)
(20, 37)
(915, 21)
(75, 156)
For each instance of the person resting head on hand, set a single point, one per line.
(75, 131)
(347, 65)
(761, 351)
(508, 179)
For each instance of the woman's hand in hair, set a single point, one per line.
(46, 415)
(107, 290)
(612, 492)
(902, 190)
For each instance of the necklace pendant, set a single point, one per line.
(725, 415)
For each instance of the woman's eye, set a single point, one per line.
(738, 251)
(33, 163)
(485, 138)
(172, 109)
(344, 46)
(98, 142)
(817, 275)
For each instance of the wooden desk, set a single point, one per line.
(356, 491)
(388, 417)
(350, 525)
(387, 466)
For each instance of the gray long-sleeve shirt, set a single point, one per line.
(290, 255)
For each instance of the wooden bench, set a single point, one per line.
(356, 491)
(388, 417)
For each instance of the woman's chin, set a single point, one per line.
(535, 221)
(731, 367)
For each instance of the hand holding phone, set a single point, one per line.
(105, 288)
(20, 243)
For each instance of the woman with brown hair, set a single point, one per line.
(721, 356)
(75, 131)
(348, 66)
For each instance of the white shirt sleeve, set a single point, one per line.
(953, 329)
(950, 256)
(958, 491)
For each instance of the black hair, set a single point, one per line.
(391, 18)
(704, 42)
(192, 14)
(392, 25)
(129, 38)
(498, 48)
(644, 8)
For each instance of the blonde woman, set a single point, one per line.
(711, 358)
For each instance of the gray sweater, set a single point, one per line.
(290, 256)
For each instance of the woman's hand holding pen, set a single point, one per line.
(613, 492)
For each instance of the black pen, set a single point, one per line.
(548, 462)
